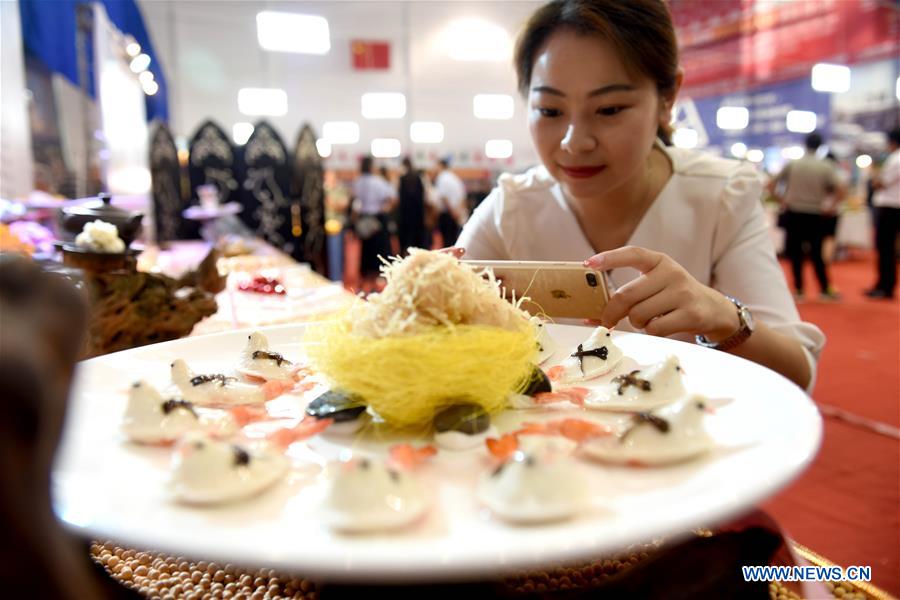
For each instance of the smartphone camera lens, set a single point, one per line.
(591, 279)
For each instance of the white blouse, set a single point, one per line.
(708, 218)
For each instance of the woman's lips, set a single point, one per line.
(581, 172)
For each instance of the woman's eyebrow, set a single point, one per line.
(606, 89)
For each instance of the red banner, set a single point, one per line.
(729, 45)
(369, 55)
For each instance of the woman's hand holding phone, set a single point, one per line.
(665, 299)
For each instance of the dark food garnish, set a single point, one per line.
(466, 418)
(602, 353)
(643, 418)
(624, 381)
(241, 457)
(170, 405)
(279, 359)
(201, 379)
(537, 383)
(336, 405)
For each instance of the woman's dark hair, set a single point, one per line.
(894, 135)
(365, 164)
(640, 30)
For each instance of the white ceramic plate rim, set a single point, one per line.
(402, 558)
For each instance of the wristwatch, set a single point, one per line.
(738, 337)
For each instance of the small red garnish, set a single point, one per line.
(554, 373)
(262, 285)
(408, 457)
(503, 448)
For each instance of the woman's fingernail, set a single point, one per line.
(595, 262)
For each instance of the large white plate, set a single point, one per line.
(106, 488)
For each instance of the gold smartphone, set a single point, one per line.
(555, 289)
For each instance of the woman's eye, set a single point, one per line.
(549, 112)
(609, 111)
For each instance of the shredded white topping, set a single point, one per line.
(433, 288)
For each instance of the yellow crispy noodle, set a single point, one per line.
(439, 334)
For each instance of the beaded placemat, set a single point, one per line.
(159, 576)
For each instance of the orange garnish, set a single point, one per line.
(554, 373)
(407, 457)
(307, 428)
(502, 449)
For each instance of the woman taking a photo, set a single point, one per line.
(681, 234)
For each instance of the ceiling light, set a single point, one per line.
(685, 137)
(830, 78)
(792, 152)
(132, 49)
(863, 161)
(145, 77)
(739, 150)
(150, 88)
(477, 40)
(732, 117)
(755, 155)
(291, 32)
(493, 106)
(341, 132)
(385, 148)
(426, 132)
(324, 147)
(801, 121)
(262, 101)
(139, 63)
(383, 106)
(241, 132)
(498, 148)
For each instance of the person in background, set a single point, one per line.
(373, 200)
(411, 212)
(830, 214)
(810, 182)
(681, 233)
(451, 198)
(886, 201)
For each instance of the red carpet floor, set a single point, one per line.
(846, 506)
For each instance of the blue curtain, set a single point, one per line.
(48, 32)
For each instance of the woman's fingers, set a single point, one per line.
(454, 250)
(627, 256)
(653, 307)
(631, 294)
(677, 321)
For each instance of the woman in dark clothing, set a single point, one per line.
(411, 214)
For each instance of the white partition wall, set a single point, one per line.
(125, 161)
(16, 169)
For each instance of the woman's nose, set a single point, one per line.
(578, 139)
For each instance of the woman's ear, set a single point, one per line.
(667, 99)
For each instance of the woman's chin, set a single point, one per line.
(585, 189)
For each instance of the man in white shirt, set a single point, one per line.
(887, 204)
(450, 194)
